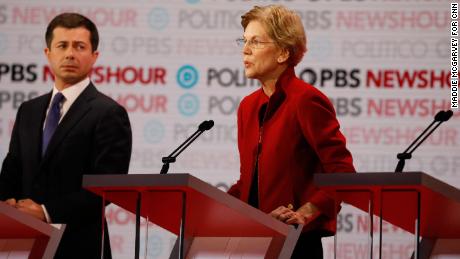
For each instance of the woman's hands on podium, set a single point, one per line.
(305, 214)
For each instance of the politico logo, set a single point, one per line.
(187, 76)
(221, 133)
(220, 19)
(391, 49)
(229, 77)
(28, 44)
(223, 105)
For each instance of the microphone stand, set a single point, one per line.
(439, 118)
(204, 126)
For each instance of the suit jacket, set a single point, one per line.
(94, 137)
(298, 136)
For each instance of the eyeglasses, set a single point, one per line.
(253, 44)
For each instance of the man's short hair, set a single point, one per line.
(72, 21)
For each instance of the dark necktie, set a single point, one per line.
(52, 120)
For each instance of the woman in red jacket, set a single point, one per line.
(287, 131)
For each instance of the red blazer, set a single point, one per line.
(299, 137)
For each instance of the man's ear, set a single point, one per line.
(47, 52)
(96, 54)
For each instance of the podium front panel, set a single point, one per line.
(439, 202)
(191, 208)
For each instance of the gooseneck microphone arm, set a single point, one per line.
(439, 118)
(204, 126)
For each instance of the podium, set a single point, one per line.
(413, 201)
(191, 208)
(15, 224)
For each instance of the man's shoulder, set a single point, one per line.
(100, 98)
(103, 104)
(106, 100)
(36, 101)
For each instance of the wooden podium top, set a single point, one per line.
(16, 224)
(396, 194)
(209, 211)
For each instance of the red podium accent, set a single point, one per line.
(15, 224)
(208, 211)
(413, 201)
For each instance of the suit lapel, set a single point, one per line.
(34, 130)
(76, 112)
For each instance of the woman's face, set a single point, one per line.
(261, 56)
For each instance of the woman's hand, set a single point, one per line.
(303, 215)
(282, 213)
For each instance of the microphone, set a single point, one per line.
(447, 115)
(439, 118)
(204, 126)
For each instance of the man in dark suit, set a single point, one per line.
(60, 136)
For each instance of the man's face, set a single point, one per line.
(70, 55)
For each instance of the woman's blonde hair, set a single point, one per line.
(284, 26)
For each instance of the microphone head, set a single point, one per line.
(447, 115)
(206, 125)
(439, 116)
(211, 124)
